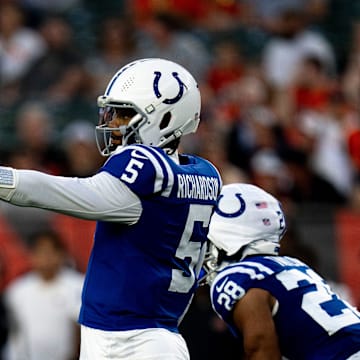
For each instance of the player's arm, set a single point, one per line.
(252, 315)
(100, 197)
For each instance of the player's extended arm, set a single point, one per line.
(100, 197)
(252, 316)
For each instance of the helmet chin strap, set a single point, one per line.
(166, 140)
(175, 135)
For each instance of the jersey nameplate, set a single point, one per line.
(197, 187)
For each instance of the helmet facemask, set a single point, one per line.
(131, 133)
(214, 261)
(106, 139)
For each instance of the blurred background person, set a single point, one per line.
(286, 48)
(43, 305)
(116, 45)
(226, 66)
(36, 139)
(168, 35)
(35, 144)
(78, 138)
(20, 47)
(57, 77)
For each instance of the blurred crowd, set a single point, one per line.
(280, 84)
(280, 104)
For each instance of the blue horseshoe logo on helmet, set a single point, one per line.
(234, 214)
(157, 91)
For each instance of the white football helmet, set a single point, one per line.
(161, 97)
(246, 221)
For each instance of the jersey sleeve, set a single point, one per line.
(226, 290)
(232, 283)
(141, 168)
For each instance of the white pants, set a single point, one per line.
(147, 344)
(355, 356)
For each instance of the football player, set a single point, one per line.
(152, 206)
(277, 305)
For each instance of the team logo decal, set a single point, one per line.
(157, 92)
(242, 207)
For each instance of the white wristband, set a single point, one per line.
(7, 177)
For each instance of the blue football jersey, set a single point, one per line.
(311, 321)
(144, 275)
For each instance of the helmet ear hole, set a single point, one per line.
(164, 123)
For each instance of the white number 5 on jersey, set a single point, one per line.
(132, 171)
(191, 250)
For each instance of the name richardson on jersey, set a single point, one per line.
(197, 187)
